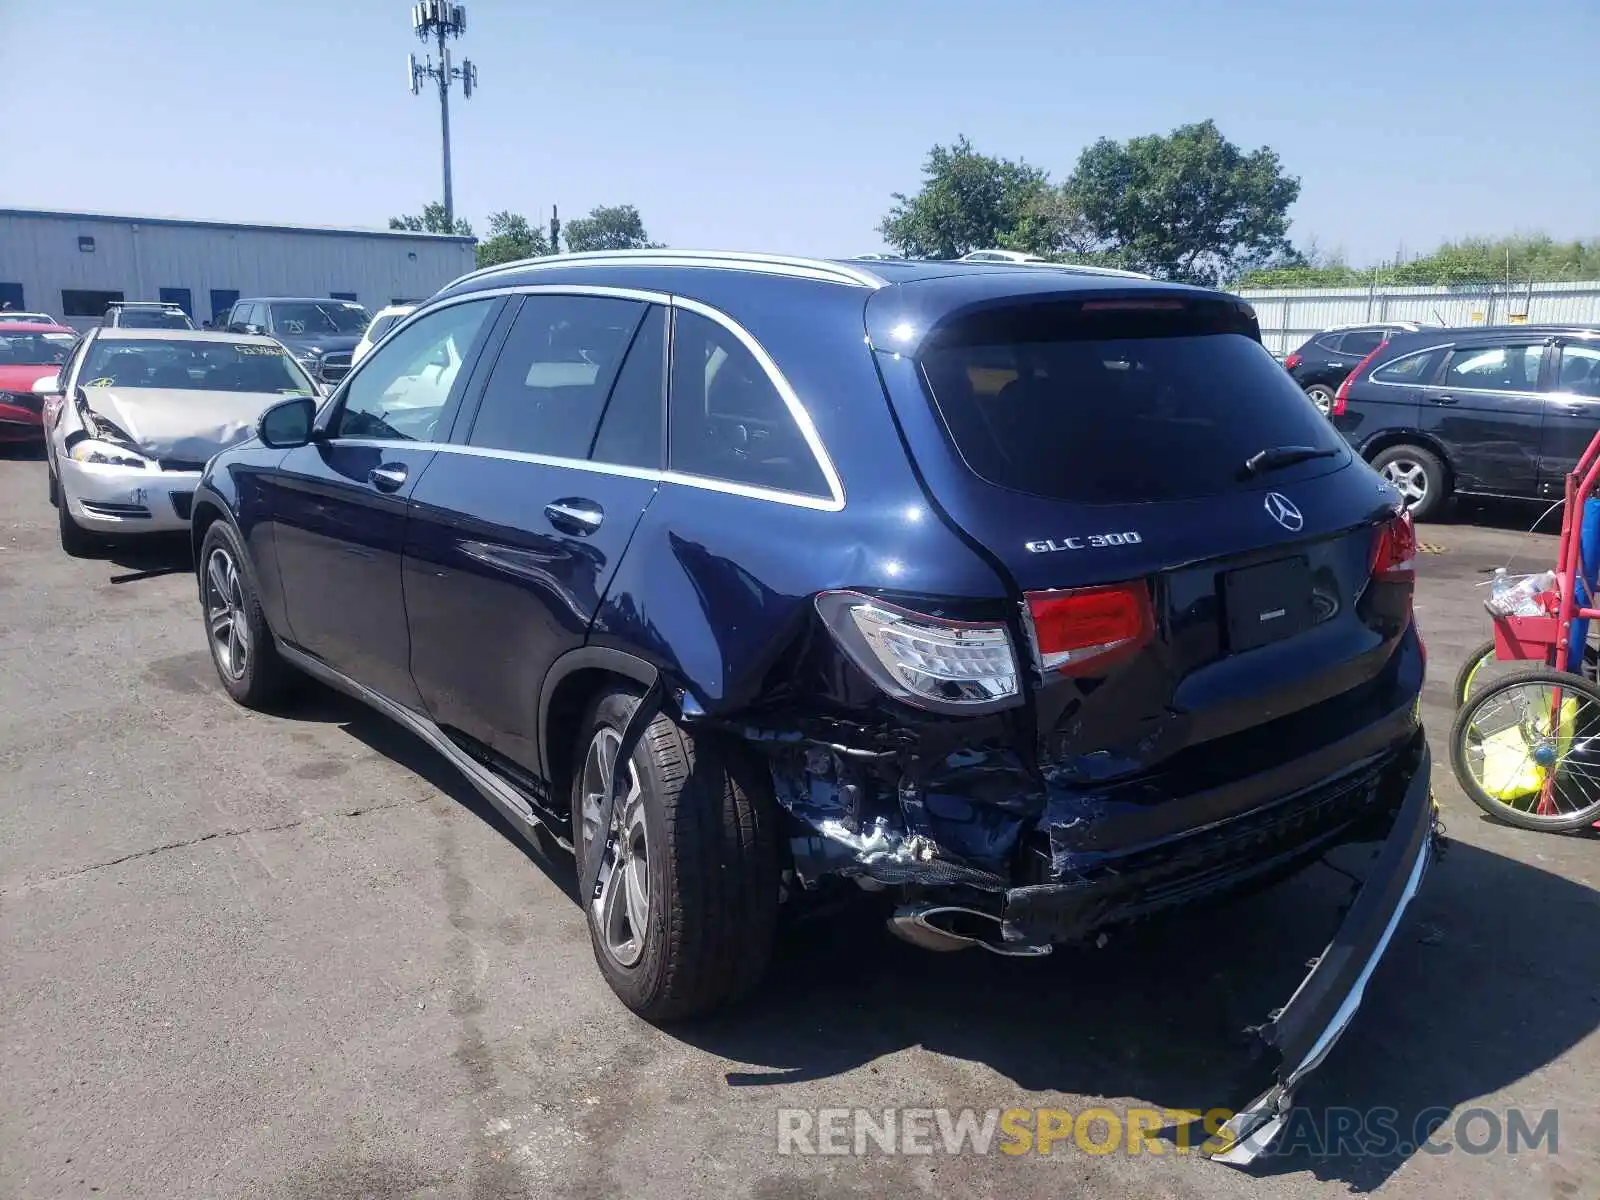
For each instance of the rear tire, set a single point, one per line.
(242, 646)
(1419, 476)
(1322, 396)
(701, 815)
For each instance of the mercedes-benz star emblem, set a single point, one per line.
(1282, 510)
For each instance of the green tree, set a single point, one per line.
(510, 238)
(617, 227)
(1469, 262)
(971, 201)
(1189, 205)
(431, 221)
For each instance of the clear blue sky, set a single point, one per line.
(784, 125)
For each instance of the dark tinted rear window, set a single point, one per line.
(1118, 408)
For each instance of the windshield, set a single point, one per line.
(35, 349)
(323, 316)
(152, 318)
(194, 366)
(1103, 418)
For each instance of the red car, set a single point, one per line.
(29, 352)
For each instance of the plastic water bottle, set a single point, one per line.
(1498, 586)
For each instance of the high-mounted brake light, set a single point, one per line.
(1341, 398)
(1079, 630)
(931, 662)
(1131, 305)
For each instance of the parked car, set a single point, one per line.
(31, 318)
(1001, 256)
(321, 334)
(29, 351)
(1321, 363)
(1041, 611)
(133, 416)
(383, 320)
(142, 314)
(1487, 411)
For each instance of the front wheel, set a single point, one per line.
(76, 541)
(1419, 477)
(1527, 750)
(687, 907)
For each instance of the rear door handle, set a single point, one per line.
(390, 477)
(1441, 399)
(575, 515)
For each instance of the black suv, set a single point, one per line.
(1321, 363)
(321, 334)
(1489, 411)
(1034, 601)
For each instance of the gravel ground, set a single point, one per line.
(295, 956)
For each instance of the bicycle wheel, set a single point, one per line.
(1526, 748)
(1481, 668)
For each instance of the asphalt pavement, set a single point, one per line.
(295, 956)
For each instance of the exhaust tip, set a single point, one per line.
(949, 927)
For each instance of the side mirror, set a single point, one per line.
(287, 424)
(50, 385)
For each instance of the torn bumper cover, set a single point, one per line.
(1303, 1032)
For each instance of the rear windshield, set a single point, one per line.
(1118, 407)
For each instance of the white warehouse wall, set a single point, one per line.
(139, 256)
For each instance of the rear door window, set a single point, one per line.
(729, 421)
(550, 383)
(1412, 369)
(1118, 407)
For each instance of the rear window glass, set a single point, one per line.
(1120, 408)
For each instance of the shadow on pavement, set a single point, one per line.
(1490, 978)
(150, 556)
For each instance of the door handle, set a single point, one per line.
(575, 516)
(1441, 399)
(388, 478)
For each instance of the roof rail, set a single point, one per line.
(824, 270)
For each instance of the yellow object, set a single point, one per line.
(1509, 771)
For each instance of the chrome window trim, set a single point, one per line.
(820, 269)
(771, 495)
(833, 502)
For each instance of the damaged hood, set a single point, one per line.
(180, 422)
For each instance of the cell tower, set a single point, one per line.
(438, 21)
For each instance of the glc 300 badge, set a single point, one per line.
(1089, 541)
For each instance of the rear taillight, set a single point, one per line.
(1087, 629)
(1341, 398)
(1292, 361)
(932, 662)
(1394, 557)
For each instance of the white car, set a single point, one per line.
(385, 320)
(135, 413)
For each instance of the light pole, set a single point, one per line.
(438, 21)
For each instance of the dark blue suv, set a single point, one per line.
(1036, 599)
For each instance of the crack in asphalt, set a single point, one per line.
(29, 885)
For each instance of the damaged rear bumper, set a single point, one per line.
(1303, 1032)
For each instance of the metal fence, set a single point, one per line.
(1289, 316)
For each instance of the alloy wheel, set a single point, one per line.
(622, 910)
(225, 616)
(1322, 398)
(1409, 478)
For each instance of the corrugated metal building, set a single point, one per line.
(1289, 316)
(72, 264)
